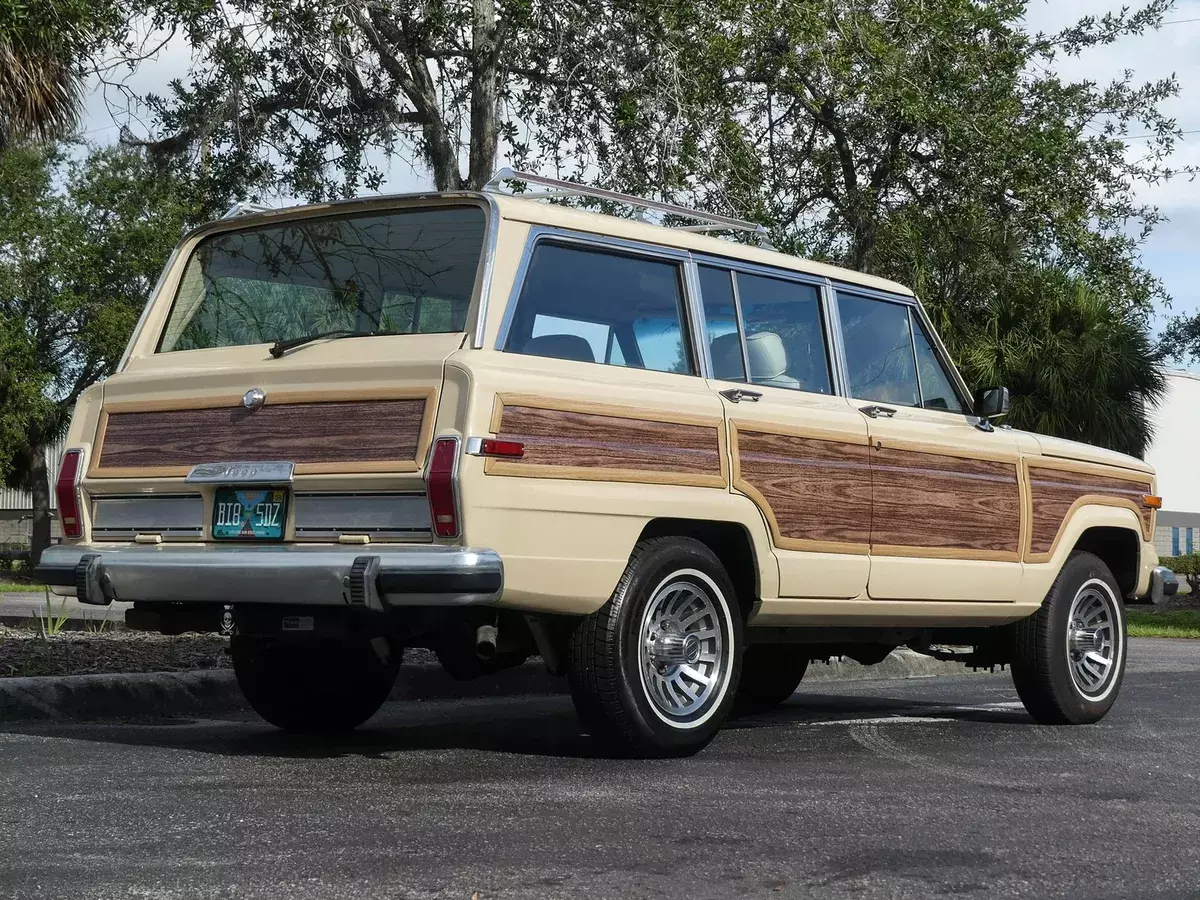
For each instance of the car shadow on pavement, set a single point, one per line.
(532, 726)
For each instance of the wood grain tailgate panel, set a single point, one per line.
(814, 491)
(932, 502)
(565, 443)
(1055, 491)
(349, 434)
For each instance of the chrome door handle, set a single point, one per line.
(737, 395)
(877, 412)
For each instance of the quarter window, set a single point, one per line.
(592, 305)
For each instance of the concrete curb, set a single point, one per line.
(215, 691)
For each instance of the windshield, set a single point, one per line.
(409, 272)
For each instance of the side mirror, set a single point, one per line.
(991, 403)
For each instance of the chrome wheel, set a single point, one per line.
(1094, 639)
(685, 649)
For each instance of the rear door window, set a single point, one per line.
(592, 305)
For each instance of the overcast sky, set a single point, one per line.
(1169, 253)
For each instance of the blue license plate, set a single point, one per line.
(254, 515)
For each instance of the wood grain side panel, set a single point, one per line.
(930, 504)
(329, 436)
(1055, 492)
(564, 443)
(816, 493)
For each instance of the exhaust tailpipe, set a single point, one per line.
(486, 637)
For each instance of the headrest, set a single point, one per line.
(560, 346)
(768, 358)
(727, 357)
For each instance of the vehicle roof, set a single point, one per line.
(538, 212)
(555, 215)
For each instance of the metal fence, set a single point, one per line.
(20, 501)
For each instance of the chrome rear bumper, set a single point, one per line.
(1163, 584)
(371, 576)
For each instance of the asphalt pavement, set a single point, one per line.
(915, 788)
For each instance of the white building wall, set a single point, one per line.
(1175, 455)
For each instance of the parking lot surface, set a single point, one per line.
(915, 788)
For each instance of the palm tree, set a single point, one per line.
(42, 47)
(1079, 365)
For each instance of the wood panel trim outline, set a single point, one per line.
(781, 541)
(1012, 459)
(518, 468)
(741, 484)
(1144, 480)
(278, 398)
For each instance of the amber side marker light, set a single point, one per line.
(1152, 502)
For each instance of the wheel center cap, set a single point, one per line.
(1085, 640)
(675, 649)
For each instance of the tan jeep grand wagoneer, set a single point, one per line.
(677, 467)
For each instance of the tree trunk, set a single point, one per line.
(485, 126)
(39, 488)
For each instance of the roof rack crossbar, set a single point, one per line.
(245, 208)
(559, 188)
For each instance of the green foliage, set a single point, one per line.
(1182, 565)
(312, 101)
(1079, 366)
(43, 46)
(1186, 567)
(932, 143)
(76, 267)
(82, 243)
(51, 624)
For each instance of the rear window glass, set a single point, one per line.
(410, 272)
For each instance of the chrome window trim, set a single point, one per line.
(740, 324)
(912, 346)
(150, 303)
(545, 233)
(753, 268)
(833, 323)
(697, 324)
(488, 262)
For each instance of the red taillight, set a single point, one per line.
(508, 449)
(439, 485)
(67, 490)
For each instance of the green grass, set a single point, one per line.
(1180, 623)
(12, 587)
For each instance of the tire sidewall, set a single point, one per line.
(1079, 572)
(676, 561)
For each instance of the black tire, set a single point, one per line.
(314, 686)
(770, 674)
(615, 696)
(1045, 656)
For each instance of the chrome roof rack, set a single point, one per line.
(558, 188)
(245, 208)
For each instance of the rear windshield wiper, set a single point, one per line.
(281, 347)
